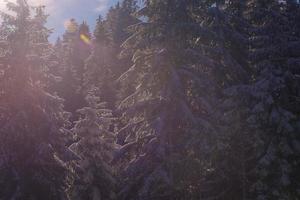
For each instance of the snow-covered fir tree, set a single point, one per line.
(274, 47)
(32, 121)
(72, 51)
(119, 19)
(263, 107)
(202, 101)
(94, 177)
(98, 66)
(166, 117)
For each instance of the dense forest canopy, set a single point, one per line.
(164, 100)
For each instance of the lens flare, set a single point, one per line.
(85, 39)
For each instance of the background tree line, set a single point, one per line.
(172, 99)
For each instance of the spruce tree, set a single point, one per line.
(98, 76)
(265, 118)
(119, 18)
(32, 133)
(72, 51)
(94, 178)
(273, 93)
(118, 22)
(81, 52)
(223, 47)
(166, 117)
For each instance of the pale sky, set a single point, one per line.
(62, 10)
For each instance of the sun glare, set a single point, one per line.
(85, 39)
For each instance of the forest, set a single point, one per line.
(162, 100)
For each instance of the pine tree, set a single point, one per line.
(118, 22)
(98, 76)
(32, 136)
(81, 52)
(55, 61)
(208, 102)
(223, 47)
(73, 52)
(94, 178)
(262, 107)
(273, 93)
(119, 18)
(166, 116)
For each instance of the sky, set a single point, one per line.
(62, 10)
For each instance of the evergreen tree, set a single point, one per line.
(32, 133)
(73, 51)
(81, 52)
(94, 178)
(273, 93)
(263, 123)
(220, 53)
(119, 20)
(98, 76)
(55, 61)
(164, 115)
(206, 94)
